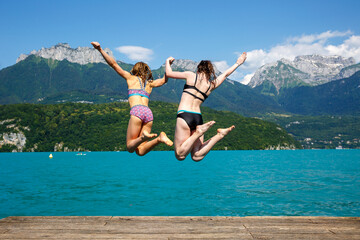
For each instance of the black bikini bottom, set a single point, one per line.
(192, 119)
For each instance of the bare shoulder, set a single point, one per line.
(132, 78)
(190, 75)
(132, 81)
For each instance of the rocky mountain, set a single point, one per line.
(322, 69)
(63, 51)
(310, 70)
(184, 64)
(348, 71)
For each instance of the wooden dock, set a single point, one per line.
(180, 228)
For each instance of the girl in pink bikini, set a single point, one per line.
(140, 86)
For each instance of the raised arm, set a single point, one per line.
(158, 82)
(169, 73)
(111, 61)
(220, 79)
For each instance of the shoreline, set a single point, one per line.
(216, 150)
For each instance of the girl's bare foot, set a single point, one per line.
(224, 131)
(203, 128)
(164, 139)
(147, 136)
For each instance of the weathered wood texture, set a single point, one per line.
(77, 227)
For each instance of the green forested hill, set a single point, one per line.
(341, 97)
(102, 127)
(34, 79)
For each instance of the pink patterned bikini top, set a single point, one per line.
(139, 92)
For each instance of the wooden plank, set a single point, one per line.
(126, 236)
(304, 237)
(128, 230)
(107, 227)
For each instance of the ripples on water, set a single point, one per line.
(231, 183)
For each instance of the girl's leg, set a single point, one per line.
(147, 146)
(184, 139)
(135, 135)
(201, 149)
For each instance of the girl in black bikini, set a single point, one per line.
(189, 131)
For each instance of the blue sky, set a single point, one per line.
(214, 30)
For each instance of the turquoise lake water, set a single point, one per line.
(225, 183)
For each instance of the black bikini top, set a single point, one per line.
(193, 87)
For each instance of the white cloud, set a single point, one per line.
(221, 65)
(350, 48)
(247, 78)
(136, 53)
(319, 37)
(303, 45)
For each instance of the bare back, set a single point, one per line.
(135, 83)
(196, 89)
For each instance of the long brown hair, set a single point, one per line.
(142, 70)
(206, 67)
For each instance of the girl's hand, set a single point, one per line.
(242, 58)
(171, 60)
(96, 45)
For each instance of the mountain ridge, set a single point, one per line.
(62, 51)
(86, 55)
(311, 70)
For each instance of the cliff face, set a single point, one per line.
(61, 51)
(348, 71)
(322, 66)
(13, 136)
(309, 70)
